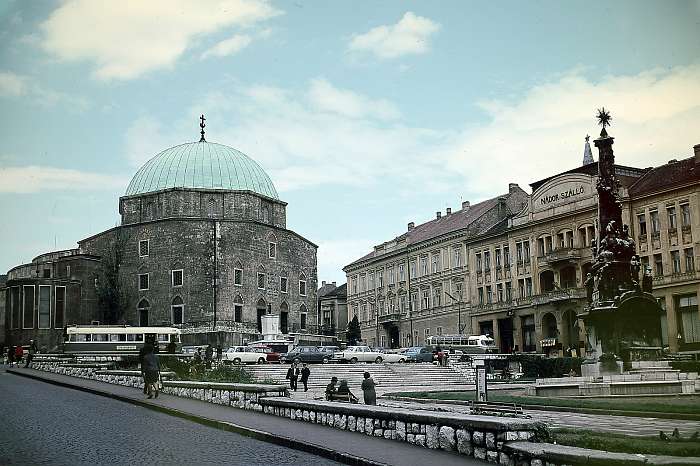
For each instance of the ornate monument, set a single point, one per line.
(622, 318)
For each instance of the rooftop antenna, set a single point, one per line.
(202, 125)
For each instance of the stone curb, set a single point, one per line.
(295, 444)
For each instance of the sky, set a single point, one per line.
(366, 115)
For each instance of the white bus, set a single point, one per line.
(474, 344)
(117, 339)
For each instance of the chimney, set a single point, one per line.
(323, 283)
(333, 283)
(501, 207)
(696, 148)
(438, 214)
(449, 210)
(512, 187)
(411, 226)
(465, 205)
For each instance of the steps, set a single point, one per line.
(393, 377)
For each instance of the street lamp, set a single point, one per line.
(460, 328)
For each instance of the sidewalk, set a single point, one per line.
(342, 446)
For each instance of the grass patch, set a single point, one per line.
(626, 444)
(687, 404)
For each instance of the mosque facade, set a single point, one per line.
(202, 245)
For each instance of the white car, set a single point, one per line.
(243, 355)
(393, 357)
(355, 354)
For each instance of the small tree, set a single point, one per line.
(354, 333)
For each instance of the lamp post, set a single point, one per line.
(460, 328)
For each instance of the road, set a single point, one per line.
(42, 424)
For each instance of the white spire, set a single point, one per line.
(587, 154)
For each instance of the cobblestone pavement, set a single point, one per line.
(598, 422)
(45, 424)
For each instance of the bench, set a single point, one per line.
(494, 408)
(344, 397)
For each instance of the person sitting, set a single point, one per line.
(330, 389)
(344, 391)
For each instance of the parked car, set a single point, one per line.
(270, 354)
(355, 354)
(328, 349)
(307, 354)
(243, 355)
(393, 356)
(419, 354)
(193, 349)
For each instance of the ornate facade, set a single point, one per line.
(518, 272)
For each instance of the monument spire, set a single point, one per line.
(587, 154)
(202, 125)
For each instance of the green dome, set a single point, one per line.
(202, 165)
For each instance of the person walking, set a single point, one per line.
(208, 355)
(151, 373)
(219, 352)
(370, 394)
(19, 354)
(305, 373)
(32, 352)
(11, 356)
(330, 388)
(293, 376)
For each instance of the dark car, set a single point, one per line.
(419, 354)
(307, 354)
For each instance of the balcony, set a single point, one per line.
(536, 300)
(676, 278)
(562, 255)
(390, 318)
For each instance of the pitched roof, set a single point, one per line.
(626, 175)
(464, 219)
(325, 289)
(673, 173)
(338, 292)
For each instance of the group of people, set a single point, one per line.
(294, 374)
(15, 354)
(368, 391)
(207, 357)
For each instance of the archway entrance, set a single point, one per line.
(261, 311)
(143, 308)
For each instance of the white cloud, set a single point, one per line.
(129, 38)
(227, 47)
(411, 35)
(326, 97)
(656, 116)
(11, 84)
(35, 178)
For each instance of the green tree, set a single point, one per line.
(112, 293)
(354, 333)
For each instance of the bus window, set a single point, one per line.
(100, 337)
(130, 337)
(139, 337)
(122, 337)
(163, 337)
(113, 337)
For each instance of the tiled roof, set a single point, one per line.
(338, 292)
(463, 219)
(325, 289)
(671, 174)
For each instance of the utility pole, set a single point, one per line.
(460, 328)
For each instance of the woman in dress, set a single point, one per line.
(368, 391)
(151, 370)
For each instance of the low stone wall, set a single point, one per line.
(243, 396)
(482, 437)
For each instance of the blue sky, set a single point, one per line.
(367, 115)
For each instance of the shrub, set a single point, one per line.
(608, 361)
(535, 366)
(686, 366)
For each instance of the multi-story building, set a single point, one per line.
(202, 245)
(515, 266)
(333, 310)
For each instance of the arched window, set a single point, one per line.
(549, 326)
(302, 284)
(567, 277)
(238, 309)
(143, 307)
(284, 317)
(262, 279)
(546, 281)
(177, 311)
(238, 274)
(272, 246)
(303, 312)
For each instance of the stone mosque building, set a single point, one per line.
(202, 245)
